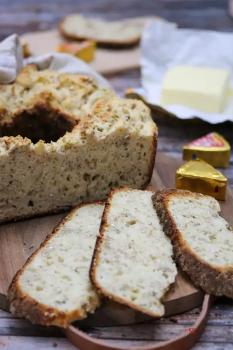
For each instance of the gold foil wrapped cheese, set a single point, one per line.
(199, 176)
(212, 148)
(84, 50)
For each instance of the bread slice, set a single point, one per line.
(201, 238)
(126, 32)
(133, 262)
(53, 287)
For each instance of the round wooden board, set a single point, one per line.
(18, 241)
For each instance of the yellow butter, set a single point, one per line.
(200, 88)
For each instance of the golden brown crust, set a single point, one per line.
(96, 257)
(39, 114)
(120, 44)
(152, 161)
(213, 280)
(62, 209)
(22, 305)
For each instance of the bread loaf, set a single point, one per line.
(77, 142)
(202, 239)
(133, 262)
(53, 287)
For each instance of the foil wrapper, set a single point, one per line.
(199, 176)
(212, 148)
(84, 50)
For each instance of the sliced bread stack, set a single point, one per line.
(202, 239)
(131, 262)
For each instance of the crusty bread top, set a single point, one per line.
(207, 234)
(66, 92)
(133, 257)
(118, 33)
(54, 286)
(74, 101)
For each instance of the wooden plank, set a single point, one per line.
(220, 313)
(22, 16)
(34, 343)
(158, 330)
(13, 326)
(134, 335)
(132, 344)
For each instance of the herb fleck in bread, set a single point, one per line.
(126, 32)
(133, 262)
(110, 142)
(53, 287)
(202, 239)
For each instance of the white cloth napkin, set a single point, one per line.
(11, 61)
(164, 45)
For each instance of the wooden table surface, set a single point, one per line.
(22, 16)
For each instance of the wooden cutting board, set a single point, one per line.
(107, 61)
(19, 240)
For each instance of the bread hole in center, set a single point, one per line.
(40, 125)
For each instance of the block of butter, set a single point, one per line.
(201, 88)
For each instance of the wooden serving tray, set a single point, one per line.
(107, 61)
(18, 241)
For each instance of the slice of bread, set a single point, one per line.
(126, 32)
(132, 263)
(53, 287)
(201, 238)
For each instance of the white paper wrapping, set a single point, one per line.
(164, 45)
(11, 61)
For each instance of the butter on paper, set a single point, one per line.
(163, 46)
(204, 89)
(199, 176)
